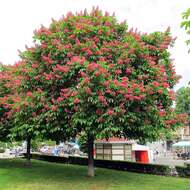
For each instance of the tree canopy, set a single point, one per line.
(94, 75)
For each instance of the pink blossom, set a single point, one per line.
(165, 85)
(34, 65)
(156, 84)
(98, 111)
(29, 94)
(76, 101)
(88, 90)
(128, 71)
(110, 112)
(118, 71)
(54, 108)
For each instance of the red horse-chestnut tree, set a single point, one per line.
(89, 73)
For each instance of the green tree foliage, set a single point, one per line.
(186, 23)
(82, 141)
(183, 100)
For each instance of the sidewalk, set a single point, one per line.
(170, 160)
(4, 155)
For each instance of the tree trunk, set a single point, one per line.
(57, 142)
(90, 155)
(28, 155)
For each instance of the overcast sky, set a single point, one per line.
(20, 18)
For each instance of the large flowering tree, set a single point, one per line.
(88, 73)
(6, 90)
(18, 119)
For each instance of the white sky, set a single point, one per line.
(19, 18)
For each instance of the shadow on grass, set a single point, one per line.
(14, 163)
(75, 177)
(57, 172)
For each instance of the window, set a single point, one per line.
(128, 152)
(107, 151)
(104, 151)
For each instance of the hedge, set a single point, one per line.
(2, 150)
(134, 167)
(183, 171)
(111, 164)
(49, 158)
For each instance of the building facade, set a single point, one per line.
(121, 149)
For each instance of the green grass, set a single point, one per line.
(51, 176)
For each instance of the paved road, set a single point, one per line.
(170, 160)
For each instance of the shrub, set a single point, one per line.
(2, 150)
(50, 158)
(78, 160)
(183, 171)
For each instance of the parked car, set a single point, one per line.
(17, 151)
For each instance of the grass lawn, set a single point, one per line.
(51, 176)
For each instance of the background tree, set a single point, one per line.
(18, 120)
(183, 102)
(15, 111)
(186, 23)
(88, 73)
